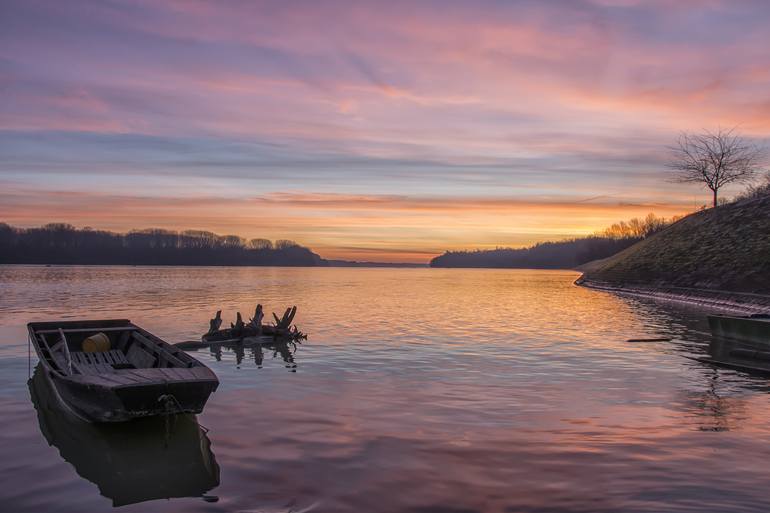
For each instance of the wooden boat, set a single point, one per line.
(144, 460)
(753, 328)
(135, 375)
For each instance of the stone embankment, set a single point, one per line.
(743, 302)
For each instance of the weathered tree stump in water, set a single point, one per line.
(285, 322)
(253, 332)
(238, 326)
(216, 322)
(256, 322)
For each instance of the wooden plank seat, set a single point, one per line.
(98, 363)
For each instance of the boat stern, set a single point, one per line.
(151, 392)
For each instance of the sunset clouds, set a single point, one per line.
(358, 127)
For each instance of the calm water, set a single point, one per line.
(418, 390)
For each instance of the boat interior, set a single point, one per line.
(106, 348)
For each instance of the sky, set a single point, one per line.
(380, 131)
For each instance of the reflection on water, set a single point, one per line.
(717, 409)
(750, 357)
(419, 390)
(257, 352)
(729, 363)
(133, 462)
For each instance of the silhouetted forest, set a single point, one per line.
(559, 255)
(64, 244)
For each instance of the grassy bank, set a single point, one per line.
(720, 249)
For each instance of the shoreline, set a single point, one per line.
(743, 302)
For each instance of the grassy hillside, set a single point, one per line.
(726, 248)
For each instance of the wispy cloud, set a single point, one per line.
(527, 101)
(379, 227)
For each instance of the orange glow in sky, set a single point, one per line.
(382, 131)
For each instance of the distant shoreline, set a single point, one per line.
(744, 302)
(356, 265)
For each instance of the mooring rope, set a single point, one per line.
(169, 401)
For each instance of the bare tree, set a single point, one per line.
(714, 159)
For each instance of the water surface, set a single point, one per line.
(418, 390)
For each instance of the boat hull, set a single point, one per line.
(144, 376)
(97, 402)
(746, 329)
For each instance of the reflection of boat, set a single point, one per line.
(113, 370)
(754, 328)
(732, 354)
(132, 462)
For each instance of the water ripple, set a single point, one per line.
(418, 390)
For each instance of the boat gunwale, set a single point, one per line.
(52, 365)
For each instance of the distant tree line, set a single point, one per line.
(562, 254)
(637, 228)
(59, 243)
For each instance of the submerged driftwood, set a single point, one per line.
(251, 333)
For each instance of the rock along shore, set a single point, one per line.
(746, 303)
